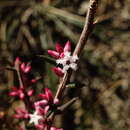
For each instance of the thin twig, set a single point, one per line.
(68, 104)
(22, 86)
(88, 27)
(19, 76)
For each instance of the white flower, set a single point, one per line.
(63, 61)
(34, 118)
(73, 66)
(68, 61)
(74, 58)
(65, 68)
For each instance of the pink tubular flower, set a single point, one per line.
(47, 99)
(59, 53)
(58, 71)
(30, 92)
(20, 92)
(25, 67)
(17, 92)
(67, 47)
(53, 54)
(17, 61)
(64, 59)
(53, 128)
(43, 111)
(21, 114)
(33, 81)
(40, 103)
(48, 96)
(42, 126)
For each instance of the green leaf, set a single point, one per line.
(48, 59)
(75, 85)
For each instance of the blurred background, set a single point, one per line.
(29, 27)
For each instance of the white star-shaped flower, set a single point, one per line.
(63, 61)
(34, 118)
(74, 58)
(68, 61)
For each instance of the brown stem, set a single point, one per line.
(22, 86)
(20, 78)
(62, 84)
(88, 27)
(68, 104)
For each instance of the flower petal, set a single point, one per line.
(40, 103)
(67, 47)
(48, 94)
(53, 53)
(58, 71)
(59, 48)
(30, 92)
(25, 67)
(43, 96)
(17, 61)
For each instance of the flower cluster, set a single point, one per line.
(64, 59)
(42, 108)
(23, 70)
(21, 113)
(47, 103)
(20, 92)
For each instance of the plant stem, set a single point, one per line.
(88, 27)
(22, 86)
(19, 76)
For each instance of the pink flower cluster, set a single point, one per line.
(21, 113)
(23, 69)
(47, 98)
(63, 58)
(41, 108)
(20, 92)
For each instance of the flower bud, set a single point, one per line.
(17, 61)
(25, 67)
(40, 103)
(58, 71)
(13, 93)
(67, 47)
(56, 101)
(53, 53)
(59, 48)
(48, 94)
(30, 92)
(21, 95)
